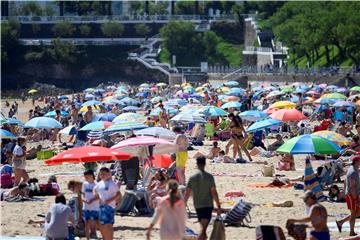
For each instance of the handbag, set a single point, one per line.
(218, 232)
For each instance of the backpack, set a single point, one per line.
(6, 181)
(239, 214)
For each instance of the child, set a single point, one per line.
(109, 193)
(90, 208)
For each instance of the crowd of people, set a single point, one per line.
(167, 191)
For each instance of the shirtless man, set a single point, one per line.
(21, 189)
(317, 216)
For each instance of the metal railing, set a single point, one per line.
(122, 18)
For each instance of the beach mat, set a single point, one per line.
(345, 228)
(259, 185)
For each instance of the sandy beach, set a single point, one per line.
(15, 216)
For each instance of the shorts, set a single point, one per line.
(352, 204)
(19, 164)
(106, 214)
(90, 215)
(181, 158)
(204, 213)
(320, 235)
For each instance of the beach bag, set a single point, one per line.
(297, 231)
(269, 232)
(218, 232)
(268, 171)
(239, 214)
(128, 203)
(6, 181)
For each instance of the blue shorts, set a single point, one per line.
(106, 214)
(90, 215)
(320, 235)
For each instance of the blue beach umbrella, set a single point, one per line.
(169, 110)
(43, 122)
(70, 130)
(53, 114)
(236, 91)
(105, 117)
(325, 101)
(127, 101)
(231, 105)
(131, 108)
(157, 132)
(211, 111)
(176, 102)
(125, 126)
(253, 115)
(263, 124)
(231, 84)
(4, 134)
(91, 103)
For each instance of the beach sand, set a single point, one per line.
(14, 216)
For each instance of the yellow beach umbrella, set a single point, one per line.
(85, 108)
(32, 91)
(334, 137)
(199, 89)
(186, 85)
(283, 104)
(224, 90)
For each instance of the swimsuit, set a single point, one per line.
(320, 235)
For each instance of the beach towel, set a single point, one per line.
(235, 175)
(234, 194)
(311, 182)
(260, 185)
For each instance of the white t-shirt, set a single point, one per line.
(18, 151)
(107, 190)
(87, 190)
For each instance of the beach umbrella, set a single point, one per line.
(108, 94)
(335, 137)
(4, 134)
(145, 85)
(141, 94)
(295, 99)
(188, 118)
(263, 124)
(61, 98)
(288, 90)
(199, 89)
(42, 122)
(99, 90)
(341, 90)
(236, 91)
(253, 115)
(258, 89)
(312, 92)
(32, 91)
(191, 106)
(53, 114)
(270, 110)
(125, 126)
(121, 91)
(286, 115)
(161, 84)
(308, 144)
(89, 96)
(344, 104)
(336, 96)
(131, 108)
(310, 181)
(299, 90)
(154, 89)
(353, 97)
(169, 110)
(231, 105)
(112, 102)
(181, 94)
(156, 99)
(283, 104)
(11, 121)
(212, 111)
(194, 101)
(323, 85)
(129, 117)
(324, 101)
(161, 161)
(98, 125)
(275, 94)
(89, 90)
(189, 89)
(355, 89)
(231, 84)
(129, 101)
(195, 95)
(105, 117)
(87, 154)
(176, 102)
(223, 90)
(135, 145)
(157, 132)
(91, 103)
(70, 130)
(231, 99)
(95, 134)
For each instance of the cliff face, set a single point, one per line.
(78, 78)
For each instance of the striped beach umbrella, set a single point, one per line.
(125, 126)
(98, 125)
(188, 118)
(310, 181)
(129, 117)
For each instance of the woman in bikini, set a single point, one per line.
(237, 137)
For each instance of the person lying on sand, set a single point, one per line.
(21, 189)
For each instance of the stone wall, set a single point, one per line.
(250, 32)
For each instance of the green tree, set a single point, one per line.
(63, 29)
(9, 39)
(31, 9)
(35, 28)
(142, 29)
(49, 10)
(62, 52)
(85, 30)
(158, 8)
(112, 29)
(184, 7)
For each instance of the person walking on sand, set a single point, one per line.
(352, 191)
(182, 144)
(19, 161)
(170, 213)
(109, 194)
(317, 216)
(202, 187)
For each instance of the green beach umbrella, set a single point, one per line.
(308, 144)
(355, 89)
(288, 90)
(336, 96)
